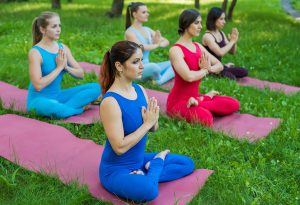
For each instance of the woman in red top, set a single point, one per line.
(192, 62)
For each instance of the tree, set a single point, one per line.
(197, 4)
(231, 8)
(116, 9)
(56, 4)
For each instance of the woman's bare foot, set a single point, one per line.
(192, 102)
(137, 172)
(85, 108)
(161, 155)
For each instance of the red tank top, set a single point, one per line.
(183, 89)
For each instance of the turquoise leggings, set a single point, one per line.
(160, 72)
(66, 103)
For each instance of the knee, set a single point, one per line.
(189, 165)
(155, 69)
(96, 88)
(149, 191)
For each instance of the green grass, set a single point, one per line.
(266, 172)
(296, 4)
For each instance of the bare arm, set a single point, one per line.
(111, 117)
(73, 66)
(35, 73)
(180, 66)
(209, 41)
(130, 36)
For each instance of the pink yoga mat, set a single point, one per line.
(15, 98)
(236, 125)
(90, 67)
(247, 81)
(39, 146)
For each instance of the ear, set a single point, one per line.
(134, 14)
(42, 30)
(119, 66)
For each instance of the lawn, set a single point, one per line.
(267, 172)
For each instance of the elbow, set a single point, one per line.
(38, 87)
(119, 150)
(189, 78)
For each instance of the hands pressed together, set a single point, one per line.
(234, 36)
(61, 59)
(151, 114)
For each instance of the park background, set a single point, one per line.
(266, 172)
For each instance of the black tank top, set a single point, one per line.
(221, 44)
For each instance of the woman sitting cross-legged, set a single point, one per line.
(192, 62)
(127, 116)
(48, 62)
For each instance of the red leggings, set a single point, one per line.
(204, 111)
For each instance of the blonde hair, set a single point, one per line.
(40, 21)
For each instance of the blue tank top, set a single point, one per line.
(47, 66)
(132, 119)
(143, 40)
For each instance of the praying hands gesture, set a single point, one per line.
(204, 62)
(151, 114)
(61, 59)
(234, 36)
(157, 37)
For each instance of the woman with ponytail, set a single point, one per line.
(49, 60)
(127, 115)
(136, 32)
(192, 62)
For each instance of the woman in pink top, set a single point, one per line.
(192, 62)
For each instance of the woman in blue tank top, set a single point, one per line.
(127, 115)
(48, 62)
(136, 32)
(216, 42)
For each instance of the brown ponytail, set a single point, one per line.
(120, 52)
(38, 22)
(132, 7)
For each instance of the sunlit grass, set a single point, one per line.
(266, 172)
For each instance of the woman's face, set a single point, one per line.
(133, 67)
(220, 22)
(141, 14)
(195, 28)
(53, 29)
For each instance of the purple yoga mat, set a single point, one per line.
(15, 98)
(39, 146)
(247, 81)
(236, 125)
(90, 67)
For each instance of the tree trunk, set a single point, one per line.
(231, 8)
(116, 9)
(224, 6)
(56, 4)
(197, 4)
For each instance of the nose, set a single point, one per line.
(141, 65)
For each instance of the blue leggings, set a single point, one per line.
(67, 103)
(142, 188)
(161, 72)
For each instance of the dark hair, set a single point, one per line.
(40, 21)
(212, 16)
(120, 52)
(186, 18)
(132, 7)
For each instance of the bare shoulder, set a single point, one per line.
(34, 54)
(175, 51)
